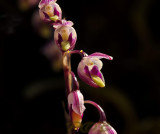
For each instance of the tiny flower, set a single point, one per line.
(49, 11)
(65, 35)
(76, 107)
(102, 128)
(89, 69)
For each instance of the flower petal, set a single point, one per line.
(95, 71)
(70, 38)
(67, 23)
(75, 98)
(43, 2)
(101, 55)
(56, 11)
(59, 39)
(84, 74)
(86, 69)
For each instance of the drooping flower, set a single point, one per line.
(49, 11)
(65, 35)
(102, 128)
(76, 108)
(89, 69)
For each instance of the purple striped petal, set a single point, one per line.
(84, 75)
(59, 39)
(44, 2)
(95, 71)
(72, 41)
(75, 98)
(56, 11)
(70, 38)
(101, 55)
(46, 15)
(86, 70)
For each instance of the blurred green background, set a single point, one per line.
(31, 92)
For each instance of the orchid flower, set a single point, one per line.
(76, 107)
(89, 69)
(65, 36)
(49, 11)
(102, 128)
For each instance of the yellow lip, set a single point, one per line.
(65, 45)
(98, 81)
(54, 18)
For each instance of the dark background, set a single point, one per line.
(31, 92)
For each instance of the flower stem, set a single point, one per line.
(101, 112)
(75, 83)
(80, 52)
(71, 82)
(67, 69)
(68, 75)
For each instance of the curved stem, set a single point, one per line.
(68, 75)
(101, 112)
(67, 69)
(80, 52)
(75, 84)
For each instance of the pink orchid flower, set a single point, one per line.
(102, 128)
(89, 69)
(65, 35)
(76, 107)
(49, 11)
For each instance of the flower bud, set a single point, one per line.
(65, 36)
(102, 128)
(49, 11)
(89, 69)
(76, 107)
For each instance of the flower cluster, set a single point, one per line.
(89, 68)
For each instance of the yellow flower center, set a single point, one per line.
(98, 81)
(65, 45)
(54, 18)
